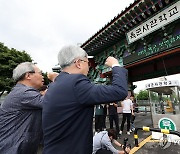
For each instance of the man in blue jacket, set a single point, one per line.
(68, 105)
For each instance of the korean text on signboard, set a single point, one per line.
(161, 19)
(162, 84)
(152, 49)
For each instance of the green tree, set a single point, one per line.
(143, 95)
(9, 59)
(46, 80)
(154, 96)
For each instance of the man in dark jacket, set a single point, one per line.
(20, 114)
(99, 117)
(68, 105)
(113, 116)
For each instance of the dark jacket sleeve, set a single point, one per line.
(91, 94)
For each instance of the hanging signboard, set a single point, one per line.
(161, 19)
(162, 84)
(153, 49)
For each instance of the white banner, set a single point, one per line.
(161, 19)
(162, 84)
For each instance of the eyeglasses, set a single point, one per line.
(81, 60)
(40, 72)
(84, 60)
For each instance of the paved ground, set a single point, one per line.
(155, 148)
(142, 119)
(149, 146)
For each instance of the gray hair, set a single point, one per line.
(68, 54)
(21, 69)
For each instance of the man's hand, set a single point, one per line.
(115, 104)
(43, 92)
(52, 75)
(110, 61)
(127, 149)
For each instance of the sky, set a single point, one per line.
(43, 27)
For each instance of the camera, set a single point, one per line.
(126, 145)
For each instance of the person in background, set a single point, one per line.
(99, 117)
(20, 114)
(68, 105)
(127, 111)
(102, 143)
(113, 116)
(104, 116)
(133, 115)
